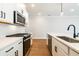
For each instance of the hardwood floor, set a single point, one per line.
(39, 48)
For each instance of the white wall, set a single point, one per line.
(40, 25)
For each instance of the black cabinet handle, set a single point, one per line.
(9, 49)
(55, 49)
(1, 14)
(4, 15)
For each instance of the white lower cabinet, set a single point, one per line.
(8, 51)
(58, 48)
(59, 52)
(20, 48)
(73, 53)
(15, 49)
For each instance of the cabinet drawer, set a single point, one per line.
(62, 46)
(19, 47)
(73, 53)
(8, 51)
(60, 52)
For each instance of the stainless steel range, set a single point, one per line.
(26, 41)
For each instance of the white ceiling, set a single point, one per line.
(71, 9)
(53, 9)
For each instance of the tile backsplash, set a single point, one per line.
(6, 29)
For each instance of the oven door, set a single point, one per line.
(26, 46)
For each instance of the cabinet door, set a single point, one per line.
(2, 11)
(9, 8)
(7, 11)
(8, 51)
(58, 49)
(73, 53)
(19, 47)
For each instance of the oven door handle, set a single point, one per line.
(26, 39)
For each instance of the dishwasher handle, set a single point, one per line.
(26, 39)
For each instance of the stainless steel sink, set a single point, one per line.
(71, 40)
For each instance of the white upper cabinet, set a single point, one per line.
(2, 11)
(7, 9)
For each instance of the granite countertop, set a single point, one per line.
(6, 41)
(74, 46)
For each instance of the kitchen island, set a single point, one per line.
(60, 47)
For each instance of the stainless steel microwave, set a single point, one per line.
(18, 18)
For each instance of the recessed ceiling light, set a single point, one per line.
(72, 10)
(33, 5)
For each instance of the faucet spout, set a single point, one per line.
(74, 34)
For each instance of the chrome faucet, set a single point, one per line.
(74, 34)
